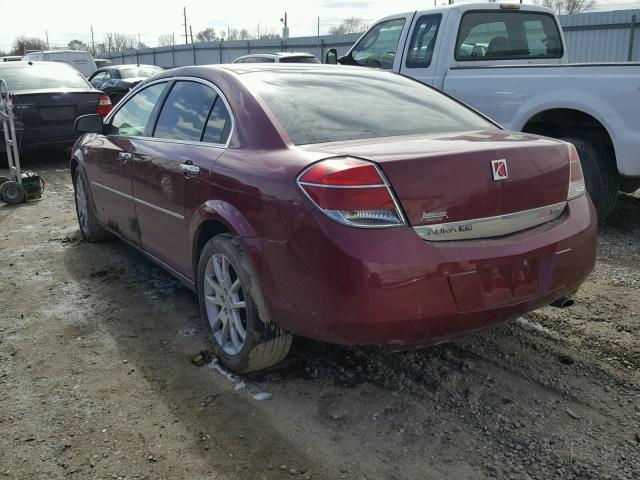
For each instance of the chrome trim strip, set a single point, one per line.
(141, 202)
(117, 192)
(160, 209)
(490, 226)
(132, 92)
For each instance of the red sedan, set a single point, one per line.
(343, 204)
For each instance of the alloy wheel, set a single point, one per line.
(225, 304)
(81, 204)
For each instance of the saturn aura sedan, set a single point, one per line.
(343, 204)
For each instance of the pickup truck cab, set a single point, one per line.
(510, 63)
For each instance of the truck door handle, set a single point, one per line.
(125, 156)
(189, 169)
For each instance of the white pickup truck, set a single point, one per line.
(509, 62)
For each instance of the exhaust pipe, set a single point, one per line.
(563, 302)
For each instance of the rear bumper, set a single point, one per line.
(390, 287)
(49, 137)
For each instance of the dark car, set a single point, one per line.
(342, 204)
(47, 98)
(117, 80)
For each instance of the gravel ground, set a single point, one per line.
(97, 379)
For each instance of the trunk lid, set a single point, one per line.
(49, 115)
(448, 178)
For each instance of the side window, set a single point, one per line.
(131, 120)
(99, 79)
(242, 60)
(378, 47)
(423, 41)
(490, 35)
(185, 111)
(218, 124)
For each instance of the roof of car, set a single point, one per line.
(30, 63)
(278, 54)
(126, 65)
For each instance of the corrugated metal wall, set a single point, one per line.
(590, 37)
(602, 36)
(225, 52)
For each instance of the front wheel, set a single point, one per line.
(90, 229)
(233, 309)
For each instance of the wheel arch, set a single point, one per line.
(213, 218)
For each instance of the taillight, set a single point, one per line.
(104, 105)
(576, 179)
(352, 192)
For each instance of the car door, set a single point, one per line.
(172, 169)
(108, 165)
(419, 60)
(381, 46)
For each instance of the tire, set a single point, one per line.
(231, 303)
(90, 229)
(600, 175)
(12, 192)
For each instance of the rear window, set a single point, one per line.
(328, 106)
(42, 76)
(139, 72)
(498, 35)
(299, 60)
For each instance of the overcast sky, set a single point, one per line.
(72, 19)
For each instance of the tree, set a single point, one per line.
(166, 40)
(244, 34)
(120, 41)
(78, 45)
(233, 34)
(352, 25)
(206, 35)
(564, 7)
(24, 44)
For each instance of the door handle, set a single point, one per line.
(188, 169)
(125, 156)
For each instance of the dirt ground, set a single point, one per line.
(96, 379)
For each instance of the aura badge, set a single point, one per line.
(499, 169)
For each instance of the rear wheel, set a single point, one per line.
(91, 230)
(233, 309)
(600, 175)
(12, 192)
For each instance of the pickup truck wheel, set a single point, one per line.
(233, 309)
(600, 175)
(89, 227)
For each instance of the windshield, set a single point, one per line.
(43, 76)
(139, 72)
(331, 105)
(299, 60)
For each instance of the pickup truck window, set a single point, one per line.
(314, 106)
(378, 47)
(423, 41)
(491, 35)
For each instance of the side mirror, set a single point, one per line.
(89, 124)
(331, 57)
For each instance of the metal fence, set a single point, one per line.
(602, 36)
(205, 53)
(590, 37)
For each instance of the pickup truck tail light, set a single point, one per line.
(576, 179)
(351, 191)
(104, 105)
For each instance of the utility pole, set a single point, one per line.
(46, 32)
(93, 43)
(285, 27)
(318, 26)
(191, 34)
(186, 37)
